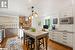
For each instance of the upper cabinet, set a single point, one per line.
(9, 22)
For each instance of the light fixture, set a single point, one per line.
(34, 13)
(29, 17)
(32, 17)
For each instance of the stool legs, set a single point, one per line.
(41, 42)
(46, 42)
(30, 46)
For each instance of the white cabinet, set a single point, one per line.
(62, 37)
(9, 22)
(54, 36)
(11, 25)
(67, 39)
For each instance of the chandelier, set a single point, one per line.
(34, 13)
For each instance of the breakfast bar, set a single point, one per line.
(36, 35)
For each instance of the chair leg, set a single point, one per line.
(28, 46)
(31, 46)
(46, 42)
(39, 45)
(43, 42)
(34, 46)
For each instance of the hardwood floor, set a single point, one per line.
(57, 46)
(3, 43)
(52, 45)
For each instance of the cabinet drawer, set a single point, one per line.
(64, 42)
(54, 39)
(70, 44)
(67, 43)
(65, 38)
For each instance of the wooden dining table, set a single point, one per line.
(36, 35)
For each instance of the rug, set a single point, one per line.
(14, 44)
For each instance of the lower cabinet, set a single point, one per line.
(64, 38)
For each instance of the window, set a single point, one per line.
(47, 22)
(3, 3)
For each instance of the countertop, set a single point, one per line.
(61, 31)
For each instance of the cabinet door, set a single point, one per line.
(50, 35)
(59, 37)
(67, 39)
(54, 36)
(70, 40)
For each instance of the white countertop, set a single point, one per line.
(61, 31)
(35, 34)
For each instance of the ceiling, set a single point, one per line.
(43, 7)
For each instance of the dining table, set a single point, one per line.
(37, 35)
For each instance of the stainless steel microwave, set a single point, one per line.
(66, 20)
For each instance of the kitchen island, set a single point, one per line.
(36, 35)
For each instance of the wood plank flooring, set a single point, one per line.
(52, 45)
(57, 46)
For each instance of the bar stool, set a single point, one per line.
(41, 42)
(26, 39)
(31, 45)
